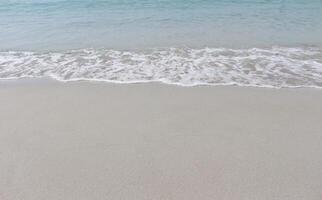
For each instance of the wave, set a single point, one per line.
(274, 67)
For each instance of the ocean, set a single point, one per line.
(261, 43)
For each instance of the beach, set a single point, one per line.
(93, 140)
(160, 100)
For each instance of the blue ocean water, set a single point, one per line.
(124, 24)
(245, 42)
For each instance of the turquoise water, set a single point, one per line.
(274, 43)
(128, 24)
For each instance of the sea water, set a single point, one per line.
(265, 43)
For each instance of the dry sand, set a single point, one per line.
(66, 141)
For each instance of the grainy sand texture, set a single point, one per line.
(93, 141)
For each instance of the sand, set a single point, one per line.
(93, 141)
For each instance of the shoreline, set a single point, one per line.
(92, 140)
(50, 80)
(276, 67)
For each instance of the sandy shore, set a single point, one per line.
(150, 141)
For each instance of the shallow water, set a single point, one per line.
(128, 24)
(273, 43)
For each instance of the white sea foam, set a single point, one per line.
(272, 67)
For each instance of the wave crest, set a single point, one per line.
(272, 67)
